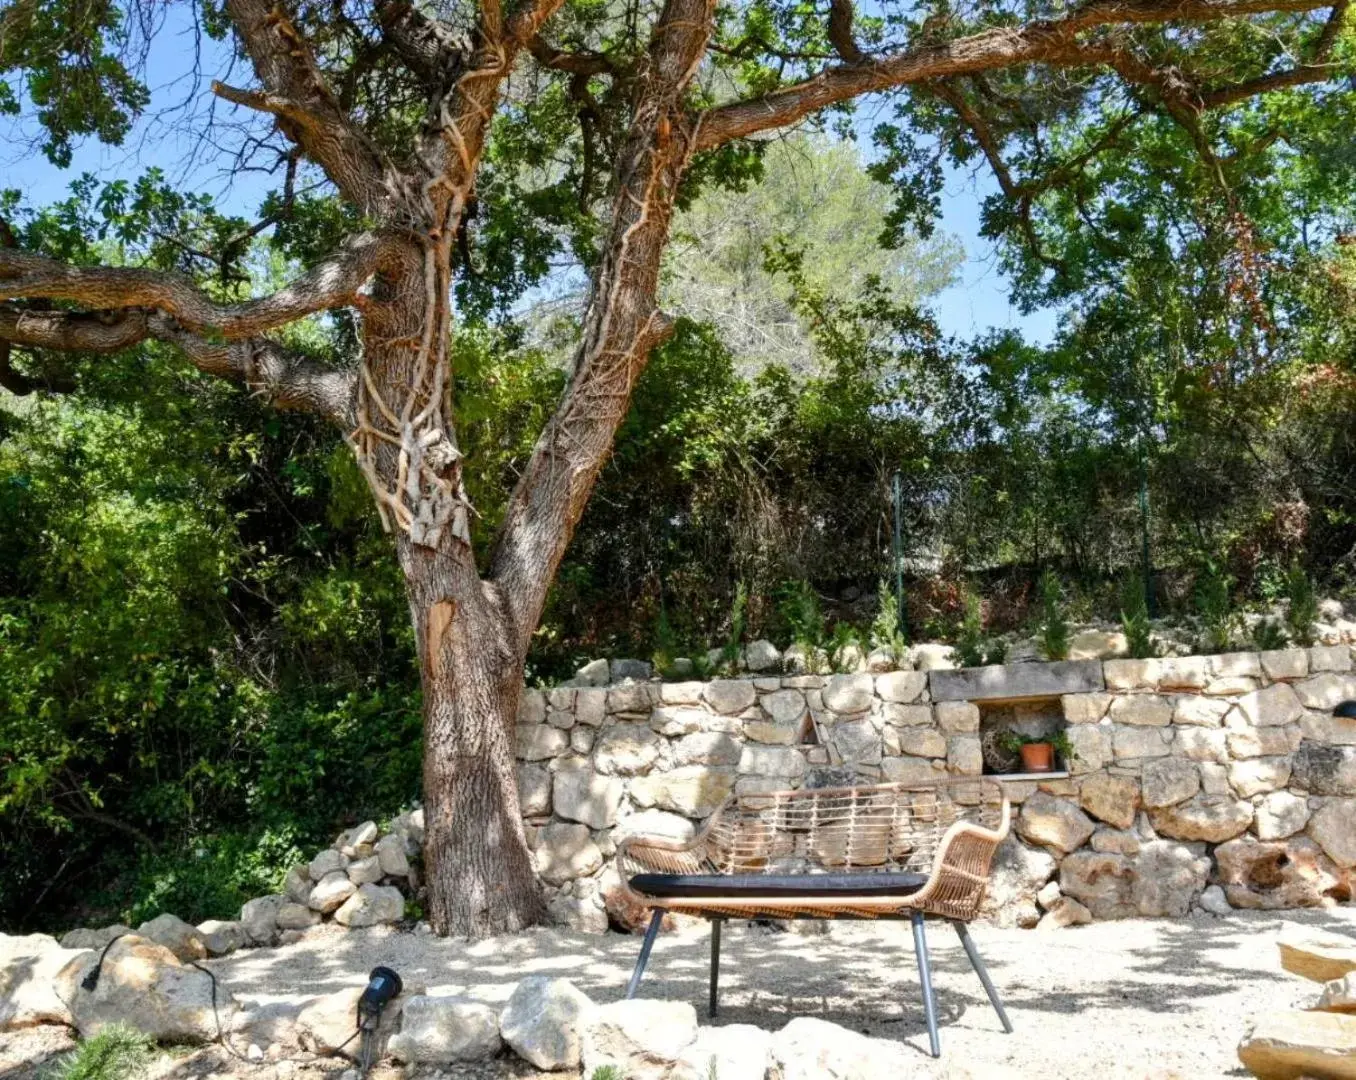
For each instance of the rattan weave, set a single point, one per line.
(948, 830)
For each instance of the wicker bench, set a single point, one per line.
(887, 851)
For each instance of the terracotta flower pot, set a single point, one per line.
(1038, 757)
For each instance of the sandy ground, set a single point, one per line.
(1133, 1000)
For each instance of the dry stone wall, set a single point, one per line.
(1204, 781)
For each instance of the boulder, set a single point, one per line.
(880, 659)
(538, 742)
(1274, 875)
(627, 749)
(1324, 770)
(730, 696)
(1326, 691)
(365, 871)
(442, 1030)
(1097, 645)
(326, 863)
(371, 905)
(762, 655)
(91, 939)
(931, 656)
(632, 699)
(1084, 708)
(1339, 995)
(541, 1019)
(1213, 901)
(1169, 878)
(1212, 818)
(1285, 664)
(1142, 710)
(297, 917)
(705, 748)
(733, 1052)
(1314, 955)
(1064, 912)
(1016, 877)
(297, 884)
(1254, 776)
(848, 694)
(677, 719)
(273, 1025)
(390, 851)
(1102, 881)
(965, 755)
(812, 1049)
(357, 842)
(31, 989)
(331, 892)
(590, 707)
(906, 687)
(578, 913)
(221, 937)
(691, 790)
(784, 707)
(259, 918)
(640, 1038)
(1333, 825)
(325, 1025)
(1280, 814)
(1055, 822)
(144, 985)
(580, 794)
(620, 670)
(1168, 781)
(773, 761)
(1091, 745)
(1291, 1045)
(565, 852)
(1113, 799)
(858, 742)
(594, 673)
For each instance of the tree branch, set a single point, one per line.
(576, 63)
(840, 31)
(1051, 42)
(334, 282)
(285, 379)
(307, 111)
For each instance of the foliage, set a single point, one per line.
(606, 1072)
(1267, 634)
(1214, 605)
(1302, 607)
(738, 614)
(886, 631)
(118, 1052)
(973, 647)
(1054, 626)
(1013, 741)
(1134, 607)
(843, 643)
(800, 613)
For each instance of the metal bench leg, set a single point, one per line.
(983, 973)
(715, 965)
(920, 948)
(651, 932)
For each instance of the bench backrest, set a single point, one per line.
(869, 829)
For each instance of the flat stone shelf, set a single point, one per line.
(1053, 774)
(1016, 682)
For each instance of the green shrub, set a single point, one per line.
(1214, 605)
(1267, 635)
(886, 631)
(845, 636)
(798, 607)
(1302, 611)
(738, 616)
(607, 1072)
(1054, 627)
(973, 647)
(1135, 618)
(116, 1053)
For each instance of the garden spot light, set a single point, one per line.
(383, 984)
(1346, 710)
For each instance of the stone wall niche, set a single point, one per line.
(1032, 717)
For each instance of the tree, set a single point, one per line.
(440, 127)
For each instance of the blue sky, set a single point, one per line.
(977, 302)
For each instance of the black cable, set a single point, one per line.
(91, 979)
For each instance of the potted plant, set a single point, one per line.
(1038, 751)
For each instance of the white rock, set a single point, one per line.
(297, 917)
(849, 694)
(90, 939)
(594, 673)
(1334, 827)
(145, 986)
(259, 918)
(222, 937)
(812, 1049)
(580, 794)
(371, 905)
(541, 1020)
(640, 1038)
(565, 852)
(365, 871)
(1281, 814)
(327, 862)
(179, 937)
(390, 852)
(628, 749)
(330, 892)
(1214, 901)
(297, 884)
(733, 1052)
(730, 696)
(325, 1024)
(31, 989)
(442, 1030)
(933, 657)
(762, 655)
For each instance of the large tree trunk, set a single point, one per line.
(477, 865)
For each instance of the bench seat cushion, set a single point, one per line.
(883, 883)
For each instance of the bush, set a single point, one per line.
(1054, 627)
(1302, 610)
(116, 1053)
(1214, 605)
(886, 631)
(1135, 618)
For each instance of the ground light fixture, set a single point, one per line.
(383, 984)
(1346, 710)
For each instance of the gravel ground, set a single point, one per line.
(1133, 1000)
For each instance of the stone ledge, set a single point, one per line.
(1013, 682)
